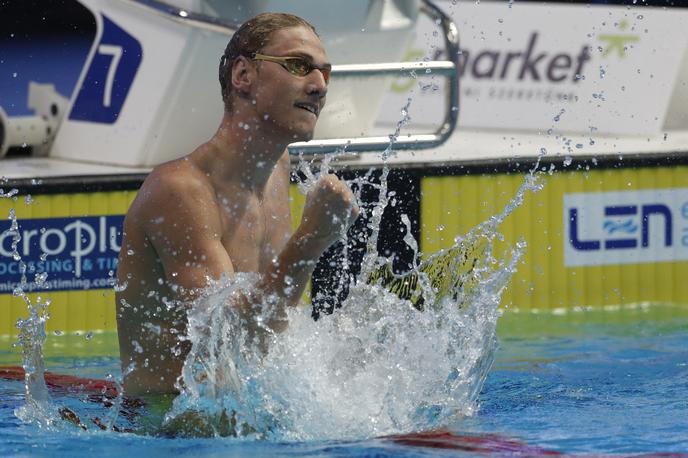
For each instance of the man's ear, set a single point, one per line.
(243, 75)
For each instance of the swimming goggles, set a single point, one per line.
(298, 66)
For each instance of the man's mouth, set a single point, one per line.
(312, 107)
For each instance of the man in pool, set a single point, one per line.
(224, 208)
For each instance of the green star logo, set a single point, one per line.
(618, 42)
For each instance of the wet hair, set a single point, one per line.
(252, 37)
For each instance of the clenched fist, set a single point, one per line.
(330, 208)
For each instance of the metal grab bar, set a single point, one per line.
(447, 68)
(441, 67)
(412, 141)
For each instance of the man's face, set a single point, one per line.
(288, 104)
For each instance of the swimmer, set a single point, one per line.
(224, 208)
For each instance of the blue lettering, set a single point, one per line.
(620, 243)
(657, 209)
(620, 210)
(582, 245)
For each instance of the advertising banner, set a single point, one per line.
(595, 69)
(60, 254)
(628, 227)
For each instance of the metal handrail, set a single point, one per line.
(447, 68)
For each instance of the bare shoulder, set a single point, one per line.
(176, 189)
(181, 179)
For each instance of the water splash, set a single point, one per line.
(376, 366)
(371, 259)
(39, 408)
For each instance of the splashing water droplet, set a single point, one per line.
(121, 287)
(41, 278)
(558, 116)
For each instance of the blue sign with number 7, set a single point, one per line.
(109, 76)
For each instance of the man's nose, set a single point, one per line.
(316, 83)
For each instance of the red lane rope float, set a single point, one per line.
(98, 391)
(484, 443)
(64, 383)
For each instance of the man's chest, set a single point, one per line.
(253, 235)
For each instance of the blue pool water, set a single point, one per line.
(582, 383)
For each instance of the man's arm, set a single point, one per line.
(330, 209)
(183, 224)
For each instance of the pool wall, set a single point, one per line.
(598, 233)
(598, 237)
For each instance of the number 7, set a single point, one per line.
(116, 53)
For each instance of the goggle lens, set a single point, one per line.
(301, 67)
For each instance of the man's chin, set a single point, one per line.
(300, 135)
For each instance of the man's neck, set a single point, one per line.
(246, 152)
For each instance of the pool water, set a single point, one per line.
(579, 382)
(603, 385)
